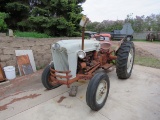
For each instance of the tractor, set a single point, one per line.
(77, 59)
(150, 37)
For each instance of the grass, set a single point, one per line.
(155, 41)
(147, 61)
(31, 34)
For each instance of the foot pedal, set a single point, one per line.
(73, 91)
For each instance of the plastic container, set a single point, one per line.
(10, 72)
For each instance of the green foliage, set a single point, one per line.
(65, 18)
(142, 23)
(91, 26)
(3, 25)
(18, 12)
(31, 34)
(39, 11)
(139, 24)
(17, 7)
(52, 17)
(105, 26)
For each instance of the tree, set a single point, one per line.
(17, 10)
(129, 18)
(53, 17)
(91, 26)
(104, 26)
(139, 24)
(3, 25)
(57, 17)
(158, 22)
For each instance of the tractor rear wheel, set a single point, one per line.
(46, 80)
(125, 60)
(97, 91)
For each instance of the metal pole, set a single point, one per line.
(83, 29)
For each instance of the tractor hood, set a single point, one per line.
(76, 45)
(65, 56)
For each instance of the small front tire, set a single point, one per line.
(97, 91)
(46, 80)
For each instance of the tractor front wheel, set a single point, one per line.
(97, 91)
(46, 80)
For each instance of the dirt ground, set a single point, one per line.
(141, 52)
(145, 49)
(136, 98)
(148, 49)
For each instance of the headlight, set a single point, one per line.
(81, 54)
(56, 46)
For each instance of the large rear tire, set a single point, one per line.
(125, 60)
(129, 38)
(97, 91)
(46, 80)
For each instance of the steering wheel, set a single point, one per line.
(102, 38)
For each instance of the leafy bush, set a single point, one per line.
(3, 25)
(31, 34)
(52, 17)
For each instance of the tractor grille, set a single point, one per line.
(60, 60)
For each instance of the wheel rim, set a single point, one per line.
(128, 38)
(101, 92)
(130, 61)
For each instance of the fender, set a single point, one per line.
(119, 44)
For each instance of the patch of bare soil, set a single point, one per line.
(138, 51)
(143, 53)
